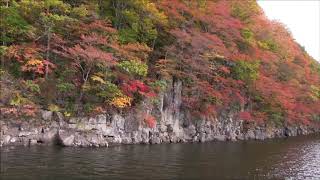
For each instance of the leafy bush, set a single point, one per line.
(159, 85)
(244, 11)
(247, 34)
(88, 107)
(315, 67)
(33, 87)
(18, 100)
(269, 44)
(65, 87)
(121, 101)
(135, 68)
(276, 117)
(127, 36)
(315, 117)
(246, 71)
(54, 108)
(3, 50)
(13, 25)
(108, 90)
(315, 92)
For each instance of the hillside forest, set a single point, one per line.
(84, 57)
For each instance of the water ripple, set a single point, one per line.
(293, 158)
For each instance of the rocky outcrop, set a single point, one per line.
(173, 126)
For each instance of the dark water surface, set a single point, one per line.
(292, 158)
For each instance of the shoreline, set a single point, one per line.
(312, 134)
(104, 131)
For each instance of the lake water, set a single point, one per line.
(291, 158)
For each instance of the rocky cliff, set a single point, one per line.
(173, 126)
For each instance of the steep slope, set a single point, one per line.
(115, 56)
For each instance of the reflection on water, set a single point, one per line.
(296, 158)
(300, 162)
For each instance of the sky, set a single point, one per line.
(302, 17)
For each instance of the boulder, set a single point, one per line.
(249, 135)
(101, 119)
(118, 121)
(162, 127)
(136, 137)
(96, 140)
(6, 139)
(66, 138)
(202, 137)
(155, 140)
(24, 133)
(220, 138)
(81, 140)
(126, 138)
(49, 136)
(46, 115)
(190, 131)
(164, 137)
(13, 140)
(170, 128)
(174, 138)
(32, 141)
(73, 120)
(92, 121)
(145, 135)
(240, 137)
(260, 135)
(59, 116)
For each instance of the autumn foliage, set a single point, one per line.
(94, 56)
(150, 120)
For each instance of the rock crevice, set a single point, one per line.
(173, 126)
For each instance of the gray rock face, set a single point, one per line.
(33, 142)
(49, 136)
(249, 135)
(66, 138)
(173, 125)
(24, 134)
(6, 139)
(46, 115)
(220, 138)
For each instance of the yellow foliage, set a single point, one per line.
(18, 100)
(34, 62)
(121, 101)
(86, 86)
(67, 114)
(98, 79)
(53, 108)
(315, 93)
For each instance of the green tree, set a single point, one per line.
(13, 27)
(246, 71)
(137, 20)
(134, 68)
(48, 14)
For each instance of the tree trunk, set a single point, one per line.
(2, 56)
(85, 77)
(48, 44)
(48, 52)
